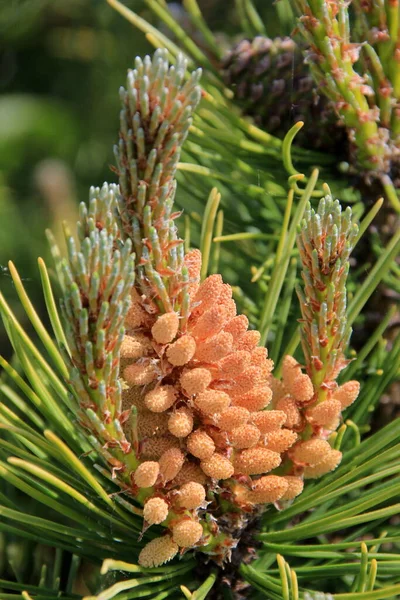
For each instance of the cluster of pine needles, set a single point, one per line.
(149, 445)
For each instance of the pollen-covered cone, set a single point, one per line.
(310, 398)
(200, 390)
(306, 422)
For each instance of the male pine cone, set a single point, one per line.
(178, 396)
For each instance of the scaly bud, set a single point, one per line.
(161, 398)
(217, 467)
(182, 351)
(158, 552)
(155, 511)
(180, 423)
(289, 407)
(233, 417)
(311, 401)
(325, 414)
(201, 445)
(256, 461)
(215, 348)
(329, 462)
(146, 474)
(187, 533)
(347, 393)
(191, 495)
(171, 463)
(245, 436)
(165, 328)
(268, 421)
(311, 452)
(269, 488)
(295, 487)
(297, 383)
(195, 381)
(257, 399)
(281, 440)
(212, 401)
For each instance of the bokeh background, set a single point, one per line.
(61, 64)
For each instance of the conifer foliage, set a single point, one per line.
(211, 440)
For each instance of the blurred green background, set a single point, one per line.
(61, 64)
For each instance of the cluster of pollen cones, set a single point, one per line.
(214, 431)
